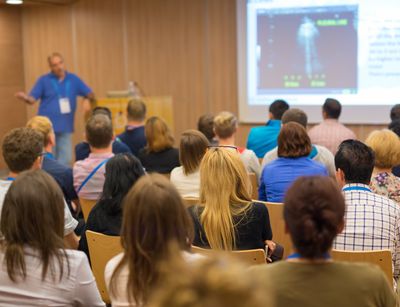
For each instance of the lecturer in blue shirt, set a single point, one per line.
(264, 138)
(57, 92)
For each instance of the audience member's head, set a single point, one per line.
(225, 125)
(159, 136)
(354, 162)
(206, 126)
(395, 126)
(277, 108)
(44, 126)
(154, 217)
(33, 216)
(136, 110)
(209, 282)
(99, 131)
(386, 146)
(395, 112)
(102, 110)
(22, 149)
(122, 171)
(223, 182)
(295, 115)
(331, 108)
(192, 148)
(293, 141)
(314, 215)
(56, 64)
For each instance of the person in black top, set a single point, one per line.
(226, 218)
(122, 171)
(133, 136)
(159, 156)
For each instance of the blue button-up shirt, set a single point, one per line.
(49, 90)
(265, 138)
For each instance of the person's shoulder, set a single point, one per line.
(259, 209)
(176, 172)
(315, 128)
(362, 272)
(4, 185)
(323, 151)
(111, 265)
(120, 147)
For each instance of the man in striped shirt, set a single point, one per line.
(372, 222)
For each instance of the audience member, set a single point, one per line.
(206, 126)
(59, 171)
(318, 153)
(186, 178)
(386, 145)
(330, 133)
(294, 148)
(226, 218)
(313, 211)
(122, 171)
(395, 127)
(82, 149)
(395, 112)
(154, 218)
(23, 150)
(264, 138)
(37, 270)
(133, 136)
(372, 221)
(89, 173)
(225, 126)
(209, 282)
(159, 155)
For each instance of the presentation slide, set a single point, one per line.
(306, 51)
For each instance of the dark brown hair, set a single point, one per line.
(158, 135)
(99, 131)
(154, 216)
(192, 148)
(293, 141)
(205, 125)
(21, 147)
(33, 216)
(313, 211)
(136, 110)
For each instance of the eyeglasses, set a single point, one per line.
(223, 146)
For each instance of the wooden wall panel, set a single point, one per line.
(12, 111)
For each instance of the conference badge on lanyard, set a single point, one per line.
(63, 102)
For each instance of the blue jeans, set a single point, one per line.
(63, 149)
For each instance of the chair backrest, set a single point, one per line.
(166, 175)
(254, 185)
(86, 206)
(191, 201)
(251, 256)
(101, 249)
(275, 211)
(381, 258)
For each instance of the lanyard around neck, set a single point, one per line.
(357, 189)
(325, 256)
(56, 86)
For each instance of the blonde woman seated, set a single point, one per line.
(386, 145)
(186, 178)
(225, 126)
(226, 218)
(159, 155)
(314, 211)
(154, 217)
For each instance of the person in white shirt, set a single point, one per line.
(36, 268)
(23, 150)
(154, 219)
(225, 126)
(186, 177)
(318, 153)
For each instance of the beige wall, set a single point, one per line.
(182, 48)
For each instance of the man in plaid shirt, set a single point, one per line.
(372, 222)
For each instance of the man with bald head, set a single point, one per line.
(57, 92)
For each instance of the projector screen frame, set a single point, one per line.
(255, 114)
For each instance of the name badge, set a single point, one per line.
(65, 106)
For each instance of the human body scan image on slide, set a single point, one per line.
(306, 51)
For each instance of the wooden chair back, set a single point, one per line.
(191, 201)
(86, 206)
(250, 257)
(101, 249)
(381, 258)
(254, 185)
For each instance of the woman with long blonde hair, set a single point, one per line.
(227, 219)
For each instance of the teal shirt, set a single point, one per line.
(265, 138)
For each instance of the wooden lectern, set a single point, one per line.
(160, 106)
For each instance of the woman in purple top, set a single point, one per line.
(294, 147)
